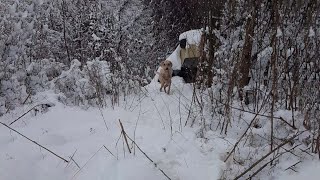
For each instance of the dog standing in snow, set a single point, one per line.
(165, 75)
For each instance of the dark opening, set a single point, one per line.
(183, 43)
(189, 70)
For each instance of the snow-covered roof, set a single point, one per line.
(192, 36)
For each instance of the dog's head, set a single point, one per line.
(166, 65)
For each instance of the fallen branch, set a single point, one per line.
(292, 166)
(142, 151)
(155, 107)
(110, 151)
(72, 159)
(265, 156)
(125, 137)
(104, 120)
(35, 142)
(265, 165)
(189, 111)
(235, 146)
(86, 162)
(155, 164)
(75, 162)
(280, 118)
(22, 102)
(256, 114)
(261, 168)
(25, 113)
(305, 151)
(26, 99)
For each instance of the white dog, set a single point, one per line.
(165, 75)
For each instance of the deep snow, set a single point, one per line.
(65, 130)
(147, 117)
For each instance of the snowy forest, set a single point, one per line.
(79, 98)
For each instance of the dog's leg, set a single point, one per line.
(165, 87)
(162, 84)
(169, 85)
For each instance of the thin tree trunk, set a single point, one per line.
(275, 21)
(64, 30)
(245, 62)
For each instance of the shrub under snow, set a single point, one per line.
(92, 84)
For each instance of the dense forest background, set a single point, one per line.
(40, 39)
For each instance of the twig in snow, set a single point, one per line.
(135, 129)
(261, 168)
(180, 123)
(155, 164)
(72, 159)
(110, 152)
(156, 108)
(189, 112)
(265, 156)
(124, 149)
(25, 113)
(75, 162)
(269, 162)
(235, 146)
(35, 142)
(26, 98)
(125, 137)
(104, 120)
(86, 162)
(290, 167)
(171, 124)
(305, 151)
(171, 129)
(280, 118)
(118, 139)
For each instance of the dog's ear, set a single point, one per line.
(170, 63)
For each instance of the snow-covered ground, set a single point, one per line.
(147, 118)
(154, 119)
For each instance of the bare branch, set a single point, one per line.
(35, 142)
